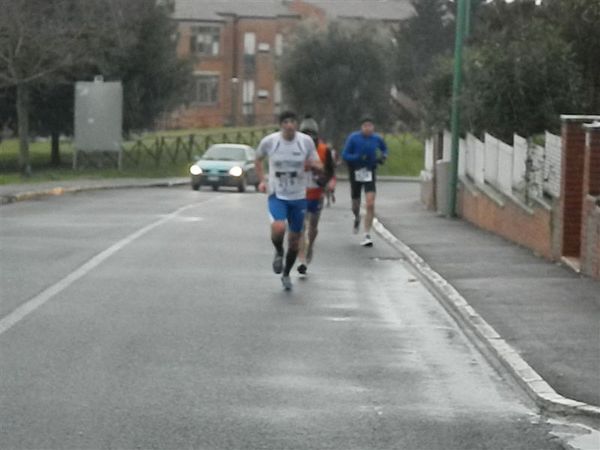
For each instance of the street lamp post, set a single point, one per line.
(456, 90)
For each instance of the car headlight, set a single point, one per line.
(236, 171)
(195, 170)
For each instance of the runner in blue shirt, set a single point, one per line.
(363, 151)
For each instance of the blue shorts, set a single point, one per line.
(291, 210)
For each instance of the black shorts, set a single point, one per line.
(356, 187)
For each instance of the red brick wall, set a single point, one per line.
(200, 116)
(571, 197)
(511, 221)
(230, 95)
(590, 229)
(591, 179)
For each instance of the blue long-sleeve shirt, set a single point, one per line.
(361, 151)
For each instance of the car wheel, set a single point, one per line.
(215, 187)
(242, 185)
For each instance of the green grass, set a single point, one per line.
(406, 155)
(405, 158)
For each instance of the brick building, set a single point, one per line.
(236, 44)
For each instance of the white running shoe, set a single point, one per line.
(286, 282)
(367, 241)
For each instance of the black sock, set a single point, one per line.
(278, 246)
(290, 259)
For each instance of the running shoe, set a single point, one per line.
(356, 225)
(367, 241)
(278, 263)
(286, 282)
(302, 269)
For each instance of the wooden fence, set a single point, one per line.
(169, 150)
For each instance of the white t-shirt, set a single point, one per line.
(287, 177)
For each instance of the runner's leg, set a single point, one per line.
(296, 212)
(370, 206)
(277, 212)
(313, 230)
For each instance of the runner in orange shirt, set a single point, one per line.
(315, 194)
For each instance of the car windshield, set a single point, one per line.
(225, 154)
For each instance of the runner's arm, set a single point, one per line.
(260, 172)
(384, 150)
(259, 166)
(349, 154)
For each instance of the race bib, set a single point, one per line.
(363, 175)
(286, 181)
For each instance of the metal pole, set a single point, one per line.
(456, 88)
(468, 19)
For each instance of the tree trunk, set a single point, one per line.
(23, 127)
(55, 148)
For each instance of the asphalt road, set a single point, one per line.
(150, 319)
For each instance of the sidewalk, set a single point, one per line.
(10, 193)
(526, 310)
(540, 320)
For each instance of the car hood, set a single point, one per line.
(207, 164)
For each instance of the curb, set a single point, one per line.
(61, 190)
(545, 397)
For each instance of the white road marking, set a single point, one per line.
(31, 305)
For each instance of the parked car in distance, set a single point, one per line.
(225, 165)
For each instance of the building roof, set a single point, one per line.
(213, 10)
(393, 10)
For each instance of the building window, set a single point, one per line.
(277, 97)
(205, 40)
(249, 43)
(206, 89)
(248, 97)
(278, 44)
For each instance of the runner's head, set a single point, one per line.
(288, 121)
(309, 126)
(367, 127)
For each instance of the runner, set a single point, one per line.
(290, 154)
(314, 194)
(360, 152)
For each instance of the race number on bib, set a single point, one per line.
(363, 175)
(286, 181)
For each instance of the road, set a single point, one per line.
(150, 319)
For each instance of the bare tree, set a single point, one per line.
(39, 39)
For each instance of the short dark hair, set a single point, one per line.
(366, 118)
(287, 115)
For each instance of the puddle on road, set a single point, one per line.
(576, 436)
